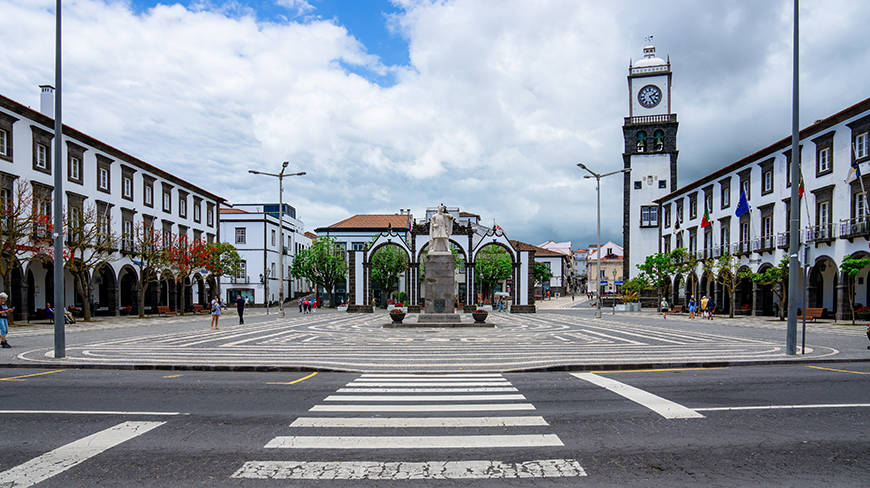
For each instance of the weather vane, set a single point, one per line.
(649, 39)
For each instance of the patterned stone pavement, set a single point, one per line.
(561, 337)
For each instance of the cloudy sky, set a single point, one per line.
(389, 104)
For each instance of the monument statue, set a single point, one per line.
(440, 228)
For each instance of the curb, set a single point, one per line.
(547, 369)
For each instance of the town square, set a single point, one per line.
(310, 242)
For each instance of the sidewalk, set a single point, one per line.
(558, 337)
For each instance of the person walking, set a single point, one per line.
(711, 305)
(704, 301)
(5, 310)
(240, 306)
(215, 312)
(665, 308)
(300, 304)
(313, 306)
(692, 307)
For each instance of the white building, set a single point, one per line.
(126, 192)
(833, 215)
(610, 277)
(562, 281)
(254, 231)
(650, 134)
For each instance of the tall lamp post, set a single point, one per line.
(598, 177)
(280, 177)
(613, 303)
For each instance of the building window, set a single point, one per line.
(167, 201)
(358, 246)
(273, 236)
(860, 208)
(182, 207)
(659, 140)
(637, 185)
(725, 235)
(693, 207)
(861, 146)
(649, 216)
(825, 160)
(41, 156)
(663, 184)
(128, 235)
(767, 182)
(824, 213)
(240, 235)
(4, 149)
(667, 215)
(745, 188)
(148, 191)
(641, 141)
(209, 216)
(726, 196)
(128, 188)
(767, 226)
(75, 168)
(744, 231)
(197, 210)
(243, 270)
(708, 204)
(693, 242)
(104, 179)
(667, 244)
(273, 270)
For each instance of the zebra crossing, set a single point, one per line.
(425, 404)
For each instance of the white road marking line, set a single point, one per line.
(419, 422)
(429, 380)
(61, 459)
(482, 389)
(421, 398)
(446, 375)
(86, 412)
(657, 404)
(422, 408)
(376, 470)
(414, 442)
(784, 407)
(427, 384)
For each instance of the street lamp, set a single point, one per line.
(264, 278)
(598, 177)
(280, 177)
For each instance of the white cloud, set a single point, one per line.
(492, 114)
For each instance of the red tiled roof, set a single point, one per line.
(310, 235)
(372, 222)
(233, 211)
(539, 251)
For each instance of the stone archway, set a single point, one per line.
(128, 290)
(376, 292)
(105, 291)
(823, 283)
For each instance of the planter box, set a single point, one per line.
(393, 307)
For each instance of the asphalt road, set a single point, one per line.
(797, 425)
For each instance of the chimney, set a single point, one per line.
(46, 100)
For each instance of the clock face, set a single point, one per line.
(649, 96)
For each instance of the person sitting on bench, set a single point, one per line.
(49, 312)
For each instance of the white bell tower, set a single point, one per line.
(650, 133)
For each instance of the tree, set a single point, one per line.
(146, 248)
(850, 267)
(777, 277)
(25, 227)
(185, 260)
(632, 288)
(729, 274)
(89, 243)
(543, 273)
(323, 264)
(219, 259)
(493, 266)
(657, 267)
(388, 262)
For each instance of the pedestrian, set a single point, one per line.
(240, 306)
(313, 306)
(692, 308)
(704, 301)
(4, 320)
(711, 306)
(665, 308)
(215, 312)
(306, 305)
(572, 296)
(300, 305)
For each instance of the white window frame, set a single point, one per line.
(860, 208)
(75, 165)
(824, 212)
(726, 197)
(824, 159)
(197, 215)
(4, 145)
(243, 269)
(149, 195)
(128, 187)
(649, 216)
(167, 201)
(745, 188)
(241, 235)
(767, 226)
(768, 181)
(274, 240)
(103, 178)
(861, 145)
(182, 207)
(41, 156)
(128, 234)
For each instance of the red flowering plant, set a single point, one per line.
(745, 306)
(397, 310)
(864, 309)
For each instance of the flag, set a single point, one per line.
(743, 206)
(854, 170)
(498, 227)
(801, 187)
(705, 221)
(677, 223)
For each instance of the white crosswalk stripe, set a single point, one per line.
(412, 394)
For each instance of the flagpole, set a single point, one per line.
(860, 180)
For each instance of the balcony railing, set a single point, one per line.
(821, 233)
(763, 243)
(852, 228)
(741, 247)
(650, 119)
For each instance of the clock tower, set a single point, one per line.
(650, 133)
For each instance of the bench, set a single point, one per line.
(814, 313)
(197, 308)
(162, 310)
(677, 309)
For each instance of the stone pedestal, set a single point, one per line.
(439, 283)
